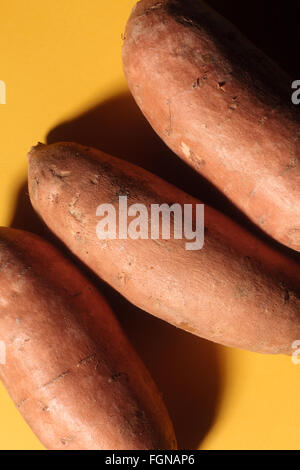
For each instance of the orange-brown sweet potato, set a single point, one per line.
(236, 290)
(69, 368)
(221, 105)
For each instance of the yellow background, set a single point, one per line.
(61, 62)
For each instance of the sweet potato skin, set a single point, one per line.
(221, 105)
(69, 368)
(236, 290)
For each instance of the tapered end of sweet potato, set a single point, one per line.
(34, 148)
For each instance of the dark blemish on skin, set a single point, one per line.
(24, 271)
(286, 296)
(19, 405)
(139, 415)
(67, 440)
(263, 120)
(95, 179)
(184, 19)
(77, 294)
(156, 6)
(87, 359)
(78, 236)
(233, 107)
(56, 379)
(197, 83)
(160, 243)
(221, 85)
(290, 166)
(118, 376)
(61, 174)
(122, 278)
(200, 162)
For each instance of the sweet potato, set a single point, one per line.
(69, 368)
(221, 105)
(236, 290)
